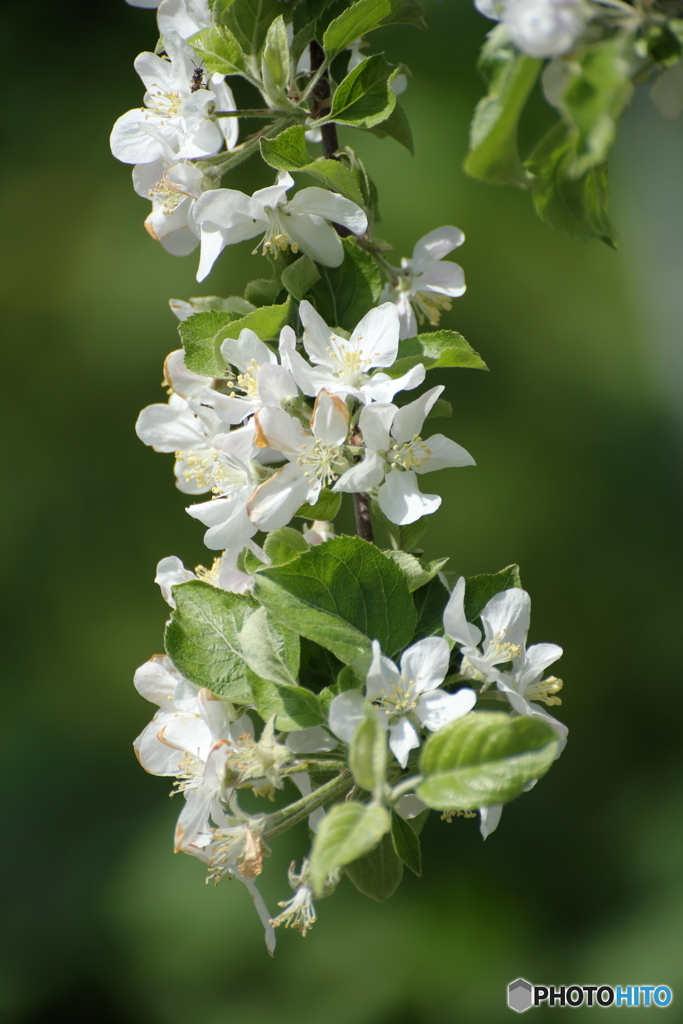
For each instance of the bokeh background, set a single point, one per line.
(577, 431)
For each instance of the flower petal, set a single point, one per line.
(438, 243)
(376, 336)
(171, 572)
(276, 429)
(409, 419)
(246, 350)
(331, 206)
(330, 419)
(316, 237)
(506, 620)
(402, 739)
(426, 663)
(383, 675)
(445, 454)
(346, 713)
(437, 708)
(375, 423)
(382, 388)
(489, 818)
(273, 504)
(361, 477)
(454, 622)
(401, 500)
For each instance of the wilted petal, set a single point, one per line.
(330, 419)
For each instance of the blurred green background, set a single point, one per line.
(577, 434)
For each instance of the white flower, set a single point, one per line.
(178, 727)
(186, 17)
(223, 574)
(407, 699)
(342, 366)
(225, 217)
(261, 380)
(172, 191)
(178, 378)
(299, 911)
(426, 284)
(539, 28)
(395, 453)
(174, 124)
(316, 458)
(505, 619)
(226, 516)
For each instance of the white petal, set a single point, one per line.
(273, 504)
(438, 243)
(170, 428)
(445, 454)
(443, 278)
(275, 384)
(180, 243)
(331, 206)
(171, 572)
(232, 410)
(272, 195)
(156, 680)
(184, 382)
(213, 242)
(308, 741)
(346, 713)
(316, 237)
(489, 818)
(376, 336)
(317, 335)
(409, 806)
(402, 739)
(330, 419)
(538, 658)
(438, 708)
(375, 423)
(382, 388)
(506, 621)
(361, 477)
(401, 500)
(242, 352)
(129, 141)
(409, 419)
(189, 733)
(455, 624)
(383, 675)
(156, 757)
(426, 663)
(276, 429)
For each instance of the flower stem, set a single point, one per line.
(361, 507)
(282, 820)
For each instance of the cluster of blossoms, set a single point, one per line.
(300, 657)
(539, 28)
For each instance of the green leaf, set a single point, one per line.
(275, 61)
(263, 291)
(270, 650)
(510, 76)
(219, 50)
(202, 638)
(436, 349)
(319, 667)
(249, 21)
(485, 758)
(342, 594)
(402, 538)
(337, 176)
(595, 99)
(287, 151)
(578, 208)
(417, 573)
(430, 602)
(344, 294)
(366, 15)
(325, 508)
(480, 589)
(348, 680)
(203, 334)
(378, 874)
(348, 831)
(302, 38)
(397, 127)
(300, 276)
(232, 304)
(364, 97)
(200, 337)
(368, 752)
(283, 545)
(441, 408)
(294, 706)
(406, 843)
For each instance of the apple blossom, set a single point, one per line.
(225, 217)
(392, 467)
(425, 284)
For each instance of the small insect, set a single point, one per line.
(197, 79)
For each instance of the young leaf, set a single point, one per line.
(364, 97)
(595, 99)
(283, 545)
(220, 51)
(202, 638)
(510, 76)
(249, 21)
(275, 61)
(200, 337)
(366, 15)
(368, 753)
(336, 176)
(436, 349)
(287, 151)
(485, 758)
(417, 573)
(578, 207)
(379, 873)
(267, 322)
(263, 291)
(480, 589)
(347, 832)
(270, 650)
(342, 594)
(294, 706)
(344, 294)
(406, 843)
(300, 276)
(397, 127)
(325, 508)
